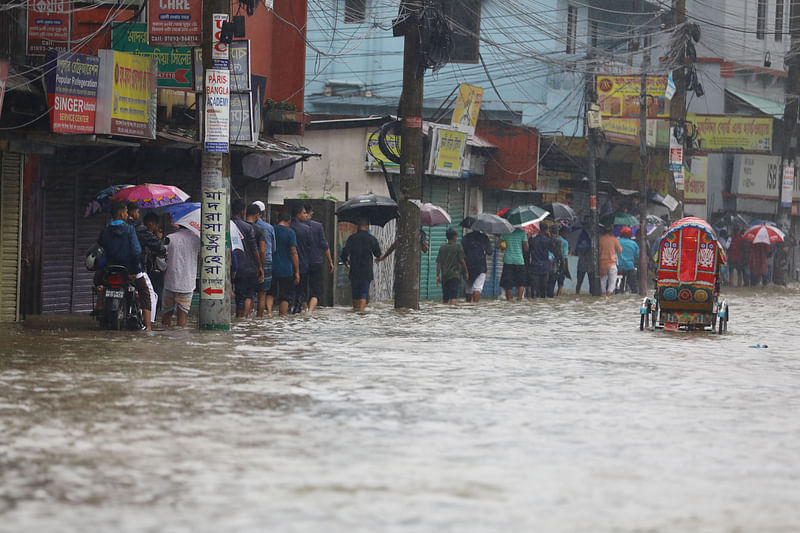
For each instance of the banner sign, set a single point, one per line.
(468, 106)
(213, 251)
(726, 133)
(174, 64)
(3, 78)
(48, 26)
(219, 50)
(175, 22)
(217, 111)
(72, 81)
(618, 96)
(242, 128)
(447, 153)
(374, 154)
(127, 95)
(676, 160)
(788, 185)
(696, 180)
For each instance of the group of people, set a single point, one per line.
(752, 264)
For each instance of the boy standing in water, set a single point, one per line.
(449, 266)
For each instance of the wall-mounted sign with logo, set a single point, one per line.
(72, 81)
(48, 26)
(127, 95)
(757, 176)
(216, 121)
(174, 64)
(618, 96)
(175, 22)
(219, 50)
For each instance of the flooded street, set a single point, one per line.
(554, 416)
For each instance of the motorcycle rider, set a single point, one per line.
(122, 248)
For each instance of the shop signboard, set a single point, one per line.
(468, 106)
(618, 96)
(175, 22)
(72, 81)
(48, 26)
(216, 121)
(214, 215)
(788, 185)
(219, 50)
(3, 78)
(447, 153)
(239, 52)
(242, 129)
(727, 133)
(174, 63)
(756, 176)
(696, 180)
(126, 95)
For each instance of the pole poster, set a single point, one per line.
(175, 23)
(217, 111)
(213, 251)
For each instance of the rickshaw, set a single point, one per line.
(686, 296)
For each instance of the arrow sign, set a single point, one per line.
(211, 291)
(180, 75)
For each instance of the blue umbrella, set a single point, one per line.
(179, 211)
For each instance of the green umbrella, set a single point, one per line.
(619, 219)
(525, 215)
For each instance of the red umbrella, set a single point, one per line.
(149, 195)
(763, 233)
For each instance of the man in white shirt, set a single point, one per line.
(181, 274)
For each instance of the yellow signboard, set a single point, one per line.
(618, 96)
(468, 105)
(126, 95)
(449, 149)
(726, 133)
(375, 155)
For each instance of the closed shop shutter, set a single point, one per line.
(10, 234)
(66, 284)
(449, 194)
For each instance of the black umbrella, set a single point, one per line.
(561, 212)
(488, 223)
(377, 209)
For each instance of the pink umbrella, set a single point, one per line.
(432, 215)
(149, 195)
(763, 233)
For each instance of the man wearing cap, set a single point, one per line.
(264, 299)
(626, 260)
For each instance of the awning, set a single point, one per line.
(765, 105)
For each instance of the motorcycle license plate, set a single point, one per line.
(114, 294)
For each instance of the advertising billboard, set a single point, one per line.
(618, 96)
(175, 23)
(127, 95)
(72, 81)
(174, 63)
(48, 26)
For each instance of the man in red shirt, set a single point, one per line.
(736, 257)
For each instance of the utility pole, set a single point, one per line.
(591, 141)
(643, 252)
(407, 265)
(791, 106)
(677, 107)
(215, 176)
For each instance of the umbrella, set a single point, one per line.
(102, 200)
(619, 219)
(561, 212)
(378, 209)
(525, 214)
(758, 222)
(488, 223)
(432, 215)
(763, 233)
(188, 216)
(152, 195)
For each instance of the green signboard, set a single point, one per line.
(174, 64)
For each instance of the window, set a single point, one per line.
(593, 33)
(355, 10)
(778, 20)
(761, 19)
(572, 28)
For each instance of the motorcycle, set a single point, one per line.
(121, 309)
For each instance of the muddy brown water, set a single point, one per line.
(556, 415)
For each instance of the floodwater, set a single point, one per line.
(546, 416)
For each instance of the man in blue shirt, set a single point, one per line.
(320, 255)
(285, 265)
(264, 299)
(626, 260)
(305, 244)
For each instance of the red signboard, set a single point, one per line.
(72, 81)
(48, 26)
(175, 22)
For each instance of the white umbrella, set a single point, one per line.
(191, 221)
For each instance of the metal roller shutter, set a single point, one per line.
(449, 194)
(10, 234)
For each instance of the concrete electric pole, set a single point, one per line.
(215, 174)
(791, 108)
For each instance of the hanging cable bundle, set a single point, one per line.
(435, 37)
